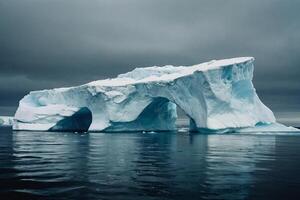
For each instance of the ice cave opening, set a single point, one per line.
(159, 115)
(80, 121)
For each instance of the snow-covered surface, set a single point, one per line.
(6, 121)
(215, 95)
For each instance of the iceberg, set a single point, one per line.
(216, 96)
(6, 121)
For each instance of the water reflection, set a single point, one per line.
(148, 166)
(231, 162)
(151, 173)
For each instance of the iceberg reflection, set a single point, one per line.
(136, 165)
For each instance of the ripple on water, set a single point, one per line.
(58, 165)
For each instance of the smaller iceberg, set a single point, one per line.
(268, 128)
(6, 121)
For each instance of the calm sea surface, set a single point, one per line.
(56, 165)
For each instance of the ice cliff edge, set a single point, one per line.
(216, 95)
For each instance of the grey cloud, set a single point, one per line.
(52, 43)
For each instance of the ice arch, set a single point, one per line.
(159, 115)
(216, 95)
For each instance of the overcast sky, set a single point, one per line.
(55, 43)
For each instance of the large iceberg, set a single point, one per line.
(216, 96)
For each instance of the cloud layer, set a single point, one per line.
(53, 43)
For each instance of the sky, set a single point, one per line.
(58, 43)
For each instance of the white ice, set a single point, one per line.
(216, 95)
(6, 121)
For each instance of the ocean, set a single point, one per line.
(154, 165)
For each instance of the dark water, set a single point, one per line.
(40, 165)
